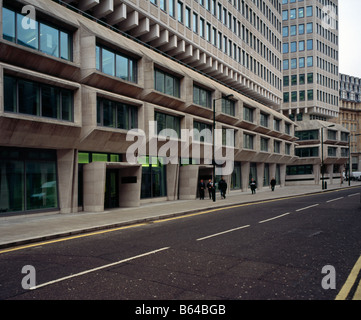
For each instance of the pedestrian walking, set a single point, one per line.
(201, 187)
(210, 188)
(273, 184)
(253, 186)
(222, 185)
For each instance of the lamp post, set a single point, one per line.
(322, 160)
(214, 149)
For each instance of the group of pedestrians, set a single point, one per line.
(222, 186)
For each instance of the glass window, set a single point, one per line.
(28, 180)
(202, 132)
(49, 40)
(27, 37)
(9, 25)
(202, 97)
(116, 114)
(108, 62)
(28, 97)
(247, 141)
(248, 114)
(39, 36)
(228, 106)
(167, 83)
(167, 125)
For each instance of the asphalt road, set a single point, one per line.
(274, 250)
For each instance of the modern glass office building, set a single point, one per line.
(81, 79)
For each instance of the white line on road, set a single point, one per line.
(282, 215)
(355, 194)
(224, 232)
(315, 205)
(98, 268)
(334, 200)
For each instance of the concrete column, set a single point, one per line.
(172, 181)
(317, 173)
(260, 175)
(245, 175)
(129, 193)
(283, 174)
(188, 182)
(68, 182)
(94, 175)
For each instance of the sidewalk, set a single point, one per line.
(25, 229)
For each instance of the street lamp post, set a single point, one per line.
(214, 152)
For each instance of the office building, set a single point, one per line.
(79, 78)
(311, 90)
(350, 109)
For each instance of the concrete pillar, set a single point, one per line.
(317, 173)
(94, 175)
(283, 174)
(260, 175)
(172, 181)
(245, 175)
(129, 193)
(188, 182)
(68, 182)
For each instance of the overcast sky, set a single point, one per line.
(350, 37)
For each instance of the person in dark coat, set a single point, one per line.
(253, 186)
(222, 185)
(210, 188)
(201, 187)
(273, 184)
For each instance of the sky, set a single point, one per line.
(350, 37)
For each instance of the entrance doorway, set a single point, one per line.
(111, 197)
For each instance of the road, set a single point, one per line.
(274, 250)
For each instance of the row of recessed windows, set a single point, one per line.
(299, 29)
(298, 96)
(222, 42)
(302, 63)
(294, 13)
(302, 46)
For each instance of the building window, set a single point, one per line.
(228, 107)
(248, 141)
(167, 83)
(264, 144)
(116, 114)
(167, 125)
(154, 183)
(307, 135)
(28, 180)
(37, 99)
(202, 132)
(332, 151)
(299, 170)
(248, 114)
(228, 137)
(264, 120)
(116, 65)
(43, 37)
(202, 97)
(277, 147)
(307, 152)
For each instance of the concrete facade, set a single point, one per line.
(261, 149)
